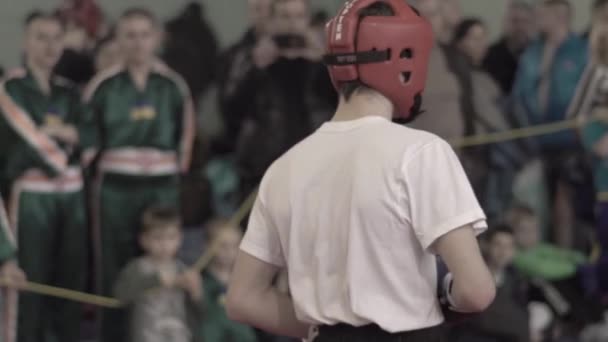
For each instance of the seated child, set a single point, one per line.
(164, 298)
(507, 318)
(537, 259)
(217, 327)
(554, 272)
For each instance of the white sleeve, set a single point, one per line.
(440, 197)
(262, 238)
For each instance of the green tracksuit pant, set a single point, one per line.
(122, 200)
(49, 221)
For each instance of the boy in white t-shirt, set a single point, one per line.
(357, 212)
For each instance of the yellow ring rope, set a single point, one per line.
(107, 302)
(205, 259)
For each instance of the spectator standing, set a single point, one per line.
(451, 16)
(107, 53)
(493, 167)
(443, 112)
(466, 42)
(548, 73)
(503, 56)
(84, 13)
(278, 93)
(39, 142)
(451, 11)
(233, 65)
(444, 15)
(84, 22)
(599, 13)
(139, 126)
(236, 62)
(191, 49)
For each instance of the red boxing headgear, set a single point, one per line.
(389, 54)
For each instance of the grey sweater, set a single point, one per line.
(157, 314)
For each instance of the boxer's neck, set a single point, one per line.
(362, 104)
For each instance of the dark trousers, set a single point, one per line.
(602, 236)
(121, 200)
(595, 277)
(373, 333)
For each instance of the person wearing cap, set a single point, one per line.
(358, 212)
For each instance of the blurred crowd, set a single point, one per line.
(107, 168)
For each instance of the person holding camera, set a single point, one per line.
(275, 90)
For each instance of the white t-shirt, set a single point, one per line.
(352, 212)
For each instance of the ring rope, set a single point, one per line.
(204, 260)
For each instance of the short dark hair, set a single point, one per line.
(105, 40)
(377, 9)
(522, 5)
(597, 4)
(41, 15)
(319, 18)
(139, 12)
(463, 28)
(159, 217)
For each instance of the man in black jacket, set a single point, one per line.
(191, 48)
(274, 90)
(502, 58)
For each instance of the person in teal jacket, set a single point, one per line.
(548, 74)
(545, 85)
